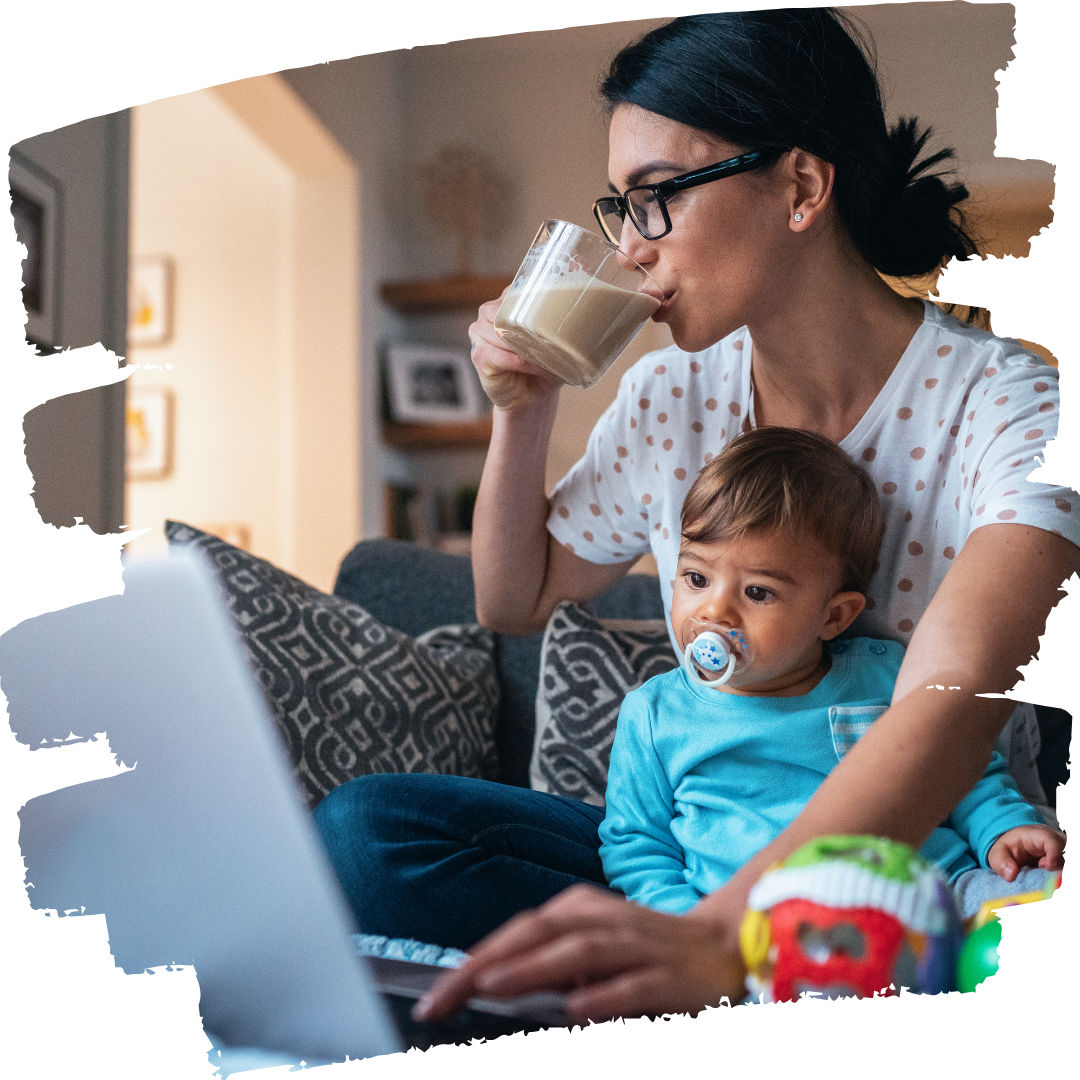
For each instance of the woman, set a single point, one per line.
(779, 317)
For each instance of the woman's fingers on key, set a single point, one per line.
(614, 957)
(513, 955)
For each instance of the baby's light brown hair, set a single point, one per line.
(789, 481)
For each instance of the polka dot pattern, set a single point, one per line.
(944, 458)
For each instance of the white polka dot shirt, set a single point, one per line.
(949, 442)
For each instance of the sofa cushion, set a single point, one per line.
(414, 588)
(351, 695)
(588, 665)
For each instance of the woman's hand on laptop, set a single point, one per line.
(612, 957)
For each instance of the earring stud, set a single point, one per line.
(798, 217)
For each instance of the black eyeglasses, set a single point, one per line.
(647, 205)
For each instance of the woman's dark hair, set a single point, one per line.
(774, 80)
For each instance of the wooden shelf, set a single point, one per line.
(469, 433)
(442, 294)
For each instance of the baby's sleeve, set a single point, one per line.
(993, 806)
(640, 856)
(595, 512)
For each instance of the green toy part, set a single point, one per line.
(885, 858)
(978, 958)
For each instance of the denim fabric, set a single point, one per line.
(447, 859)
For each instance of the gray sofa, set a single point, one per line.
(415, 589)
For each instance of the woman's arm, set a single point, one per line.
(520, 572)
(900, 780)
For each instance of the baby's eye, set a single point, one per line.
(696, 580)
(758, 593)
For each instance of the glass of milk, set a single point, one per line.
(575, 304)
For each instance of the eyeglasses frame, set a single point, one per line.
(754, 159)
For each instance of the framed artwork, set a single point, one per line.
(150, 301)
(35, 206)
(149, 433)
(432, 384)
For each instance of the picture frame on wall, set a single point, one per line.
(150, 301)
(432, 384)
(149, 432)
(36, 207)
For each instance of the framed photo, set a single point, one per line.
(150, 301)
(35, 205)
(149, 433)
(432, 384)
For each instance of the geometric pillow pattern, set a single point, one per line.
(350, 695)
(587, 667)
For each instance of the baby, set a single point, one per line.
(780, 534)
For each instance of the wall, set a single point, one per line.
(256, 205)
(357, 101)
(75, 443)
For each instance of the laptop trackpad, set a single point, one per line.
(403, 978)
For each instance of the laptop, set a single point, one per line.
(204, 851)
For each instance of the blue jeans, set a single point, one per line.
(446, 859)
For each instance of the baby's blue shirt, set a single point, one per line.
(700, 781)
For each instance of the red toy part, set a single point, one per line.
(836, 951)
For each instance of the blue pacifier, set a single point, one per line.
(711, 649)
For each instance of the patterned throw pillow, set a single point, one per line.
(352, 696)
(587, 667)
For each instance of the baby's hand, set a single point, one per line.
(1026, 845)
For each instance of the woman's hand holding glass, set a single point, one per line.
(511, 382)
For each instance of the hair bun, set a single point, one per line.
(918, 222)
